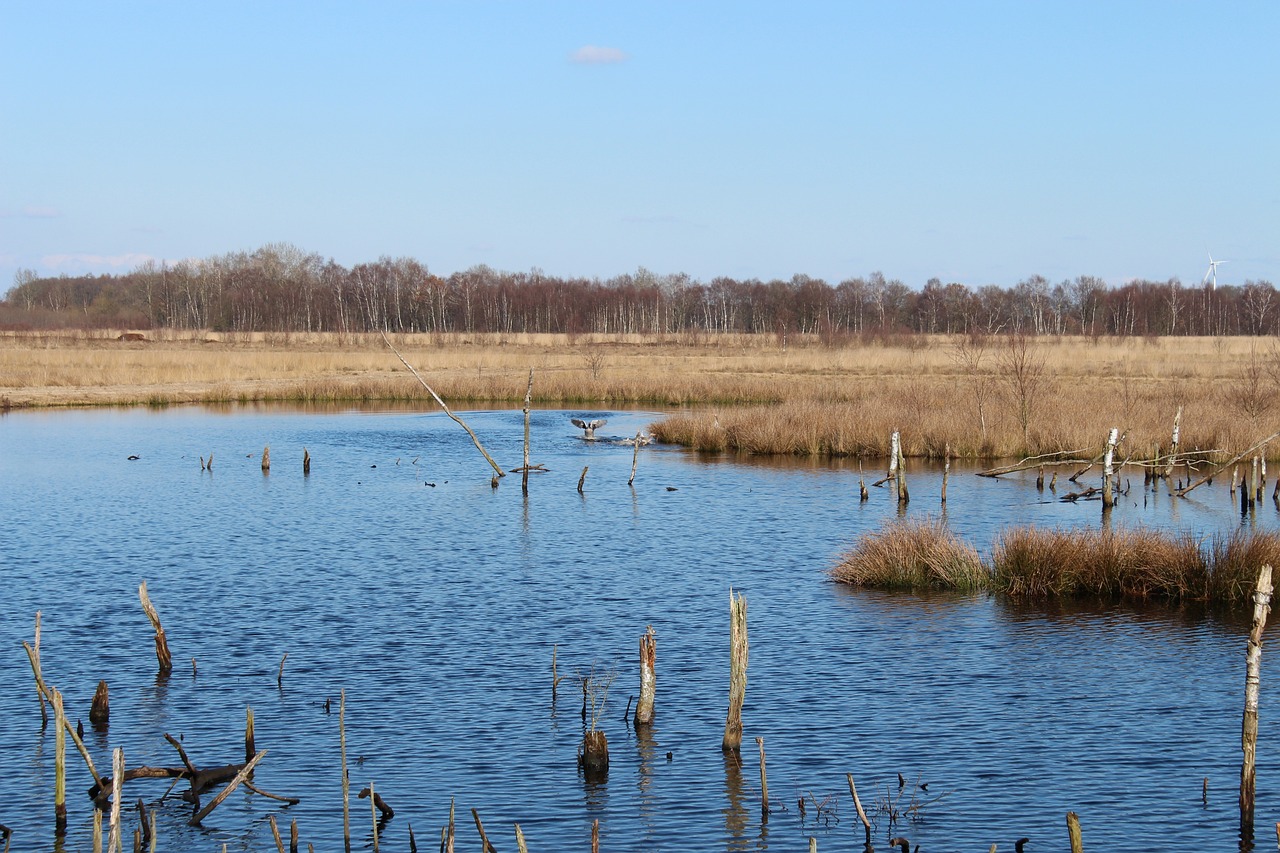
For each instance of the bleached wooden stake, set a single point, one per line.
(520, 845)
(266, 459)
(1252, 684)
(117, 784)
(162, 643)
(524, 475)
(33, 655)
(738, 656)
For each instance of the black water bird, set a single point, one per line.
(134, 458)
(1017, 845)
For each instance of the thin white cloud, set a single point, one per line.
(592, 55)
(78, 262)
(32, 211)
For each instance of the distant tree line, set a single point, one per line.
(280, 288)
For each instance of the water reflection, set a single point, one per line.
(735, 805)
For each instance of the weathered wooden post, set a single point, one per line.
(59, 766)
(346, 783)
(862, 484)
(162, 643)
(648, 677)
(266, 459)
(1040, 479)
(1255, 484)
(583, 478)
(306, 463)
(738, 654)
(893, 456)
(1252, 681)
(1108, 470)
(946, 471)
(524, 475)
(100, 709)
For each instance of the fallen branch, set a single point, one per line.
(1182, 493)
(1058, 457)
(496, 467)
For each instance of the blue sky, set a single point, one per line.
(976, 142)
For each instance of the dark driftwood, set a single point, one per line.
(379, 803)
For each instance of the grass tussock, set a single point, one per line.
(736, 393)
(1029, 563)
(913, 555)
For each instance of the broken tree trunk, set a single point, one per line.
(764, 782)
(1173, 444)
(266, 459)
(498, 472)
(117, 783)
(1108, 470)
(903, 495)
(1252, 682)
(648, 678)
(162, 644)
(346, 790)
(738, 654)
(306, 463)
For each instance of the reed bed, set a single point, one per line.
(1031, 564)
(734, 393)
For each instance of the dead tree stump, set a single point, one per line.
(100, 710)
(648, 678)
(162, 643)
(738, 655)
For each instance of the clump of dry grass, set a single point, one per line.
(913, 555)
(1236, 558)
(1030, 563)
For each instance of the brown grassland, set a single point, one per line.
(984, 397)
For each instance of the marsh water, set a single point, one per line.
(395, 572)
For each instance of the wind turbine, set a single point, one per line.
(1212, 273)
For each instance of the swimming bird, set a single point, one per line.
(588, 427)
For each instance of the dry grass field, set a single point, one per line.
(984, 398)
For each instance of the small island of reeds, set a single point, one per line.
(1029, 563)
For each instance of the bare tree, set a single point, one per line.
(971, 354)
(1022, 371)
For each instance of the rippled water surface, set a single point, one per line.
(397, 573)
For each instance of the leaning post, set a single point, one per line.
(1108, 470)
